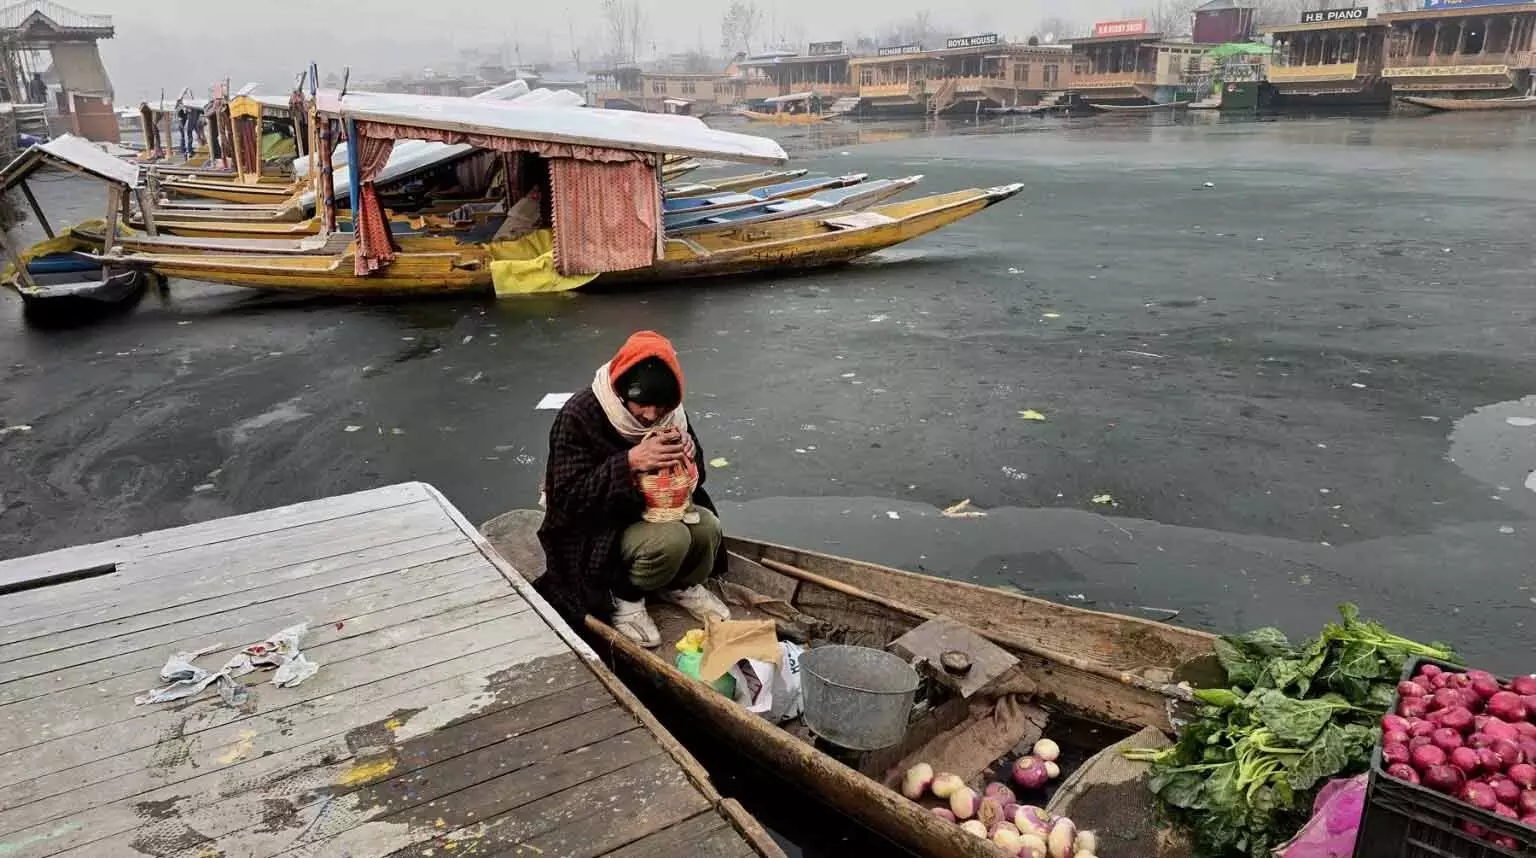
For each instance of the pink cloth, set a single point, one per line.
(607, 216)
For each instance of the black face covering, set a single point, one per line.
(649, 382)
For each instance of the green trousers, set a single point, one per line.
(668, 555)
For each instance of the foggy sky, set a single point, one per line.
(168, 44)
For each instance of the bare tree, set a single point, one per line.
(1171, 17)
(1056, 28)
(739, 26)
(616, 25)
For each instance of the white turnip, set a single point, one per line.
(1032, 846)
(963, 802)
(916, 781)
(1506, 705)
(1047, 750)
(1086, 841)
(974, 826)
(945, 785)
(999, 791)
(1063, 833)
(1029, 772)
(1052, 770)
(1033, 820)
(945, 814)
(990, 812)
(1008, 839)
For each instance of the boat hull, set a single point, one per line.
(230, 192)
(786, 118)
(1527, 102)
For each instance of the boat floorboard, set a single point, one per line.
(453, 712)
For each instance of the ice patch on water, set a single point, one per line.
(283, 412)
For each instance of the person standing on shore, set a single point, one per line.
(627, 516)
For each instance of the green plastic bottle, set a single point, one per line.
(690, 655)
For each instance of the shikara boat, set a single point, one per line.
(801, 108)
(731, 183)
(1518, 102)
(853, 198)
(1140, 108)
(682, 212)
(55, 283)
(1074, 667)
(444, 265)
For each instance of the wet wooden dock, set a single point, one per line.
(453, 714)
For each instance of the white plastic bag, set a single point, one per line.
(768, 689)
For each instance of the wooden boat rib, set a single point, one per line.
(447, 266)
(1070, 653)
(1518, 102)
(732, 183)
(1139, 108)
(233, 192)
(683, 212)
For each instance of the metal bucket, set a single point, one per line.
(856, 697)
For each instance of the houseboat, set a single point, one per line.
(1467, 49)
(1123, 63)
(824, 69)
(1331, 58)
(968, 74)
(633, 88)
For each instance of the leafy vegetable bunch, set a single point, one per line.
(1243, 774)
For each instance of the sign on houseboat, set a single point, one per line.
(1319, 16)
(822, 49)
(894, 50)
(1120, 28)
(981, 41)
(1457, 4)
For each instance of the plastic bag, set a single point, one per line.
(1330, 833)
(768, 689)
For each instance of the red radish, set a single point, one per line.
(1526, 729)
(1530, 703)
(1390, 723)
(1460, 680)
(1421, 728)
(1410, 689)
(1506, 790)
(1498, 729)
(1504, 841)
(1462, 758)
(1446, 779)
(1439, 681)
(1506, 810)
(1489, 760)
(1413, 707)
(1479, 795)
(1470, 700)
(1400, 754)
(1523, 774)
(1528, 801)
(1486, 687)
(1478, 721)
(1403, 772)
(1479, 740)
(1509, 752)
(1506, 705)
(1523, 685)
(1426, 756)
(1419, 742)
(1474, 829)
(1395, 737)
(1446, 739)
(1445, 698)
(1429, 670)
(1457, 718)
(1528, 748)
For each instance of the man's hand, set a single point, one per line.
(662, 450)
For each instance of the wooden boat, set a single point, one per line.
(851, 198)
(443, 265)
(801, 108)
(55, 283)
(234, 191)
(731, 183)
(1085, 666)
(693, 209)
(1139, 108)
(1517, 102)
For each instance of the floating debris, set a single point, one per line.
(719, 462)
(963, 510)
(353, 427)
(1031, 414)
(18, 429)
(892, 514)
(1521, 422)
(1506, 530)
(553, 401)
(1103, 499)
(1014, 473)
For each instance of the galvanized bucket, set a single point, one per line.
(856, 697)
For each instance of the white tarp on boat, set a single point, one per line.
(613, 129)
(70, 151)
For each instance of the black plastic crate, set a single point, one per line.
(1404, 820)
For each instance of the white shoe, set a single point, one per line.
(634, 622)
(697, 601)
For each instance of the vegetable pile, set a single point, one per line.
(1021, 830)
(1470, 736)
(1242, 777)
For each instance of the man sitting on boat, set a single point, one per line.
(626, 514)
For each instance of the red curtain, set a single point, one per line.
(248, 144)
(607, 215)
(374, 250)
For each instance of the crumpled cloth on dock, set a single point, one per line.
(280, 651)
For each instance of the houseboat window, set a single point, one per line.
(1021, 73)
(1052, 75)
(658, 87)
(866, 77)
(688, 87)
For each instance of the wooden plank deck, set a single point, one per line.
(454, 714)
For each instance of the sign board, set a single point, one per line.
(821, 49)
(1458, 4)
(1120, 28)
(894, 50)
(1320, 16)
(981, 41)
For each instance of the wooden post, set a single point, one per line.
(37, 210)
(114, 199)
(147, 208)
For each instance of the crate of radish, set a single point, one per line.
(1455, 773)
(995, 814)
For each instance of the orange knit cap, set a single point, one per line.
(642, 345)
